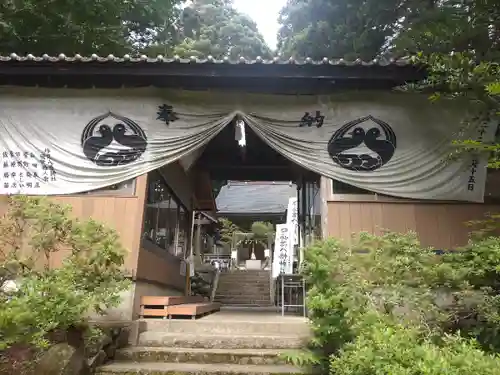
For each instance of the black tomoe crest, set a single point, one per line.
(108, 144)
(352, 135)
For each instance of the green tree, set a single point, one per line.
(336, 29)
(227, 230)
(215, 28)
(451, 25)
(85, 27)
(370, 28)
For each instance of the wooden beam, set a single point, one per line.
(307, 71)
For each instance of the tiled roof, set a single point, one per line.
(210, 60)
(257, 197)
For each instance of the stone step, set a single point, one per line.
(241, 326)
(231, 294)
(246, 280)
(246, 304)
(192, 355)
(245, 276)
(245, 296)
(232, 301)
(242, 309)
(219, 341)
(246, 273)
(249, 305)
(259, 297)
(156, 368)
(244, 288)
(248, 283)
(238, 293)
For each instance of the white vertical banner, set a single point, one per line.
(292, 221)
(281, 261)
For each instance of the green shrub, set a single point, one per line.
(477, 268)
(385, 348)
(387, 305)
(47, 298)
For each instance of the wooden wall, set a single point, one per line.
(145, 262)
(120, 212)
(440, 225)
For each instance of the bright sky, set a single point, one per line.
(265, 14)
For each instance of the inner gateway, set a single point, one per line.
(225, 159)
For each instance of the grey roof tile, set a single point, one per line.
(13, 57)
(257, 197)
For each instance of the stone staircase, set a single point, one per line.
(225, 343)
(244, 288)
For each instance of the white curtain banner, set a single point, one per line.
(61, 141)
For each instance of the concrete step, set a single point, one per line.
(192, 355)
(156, 368)
(240, 326)
(219, 341)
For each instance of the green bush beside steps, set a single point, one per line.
(387, 305)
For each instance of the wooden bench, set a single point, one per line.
(154, 306)
(193, 310)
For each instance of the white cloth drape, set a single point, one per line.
(399, 142)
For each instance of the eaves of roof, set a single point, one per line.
(209, 60)
(274, 76)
